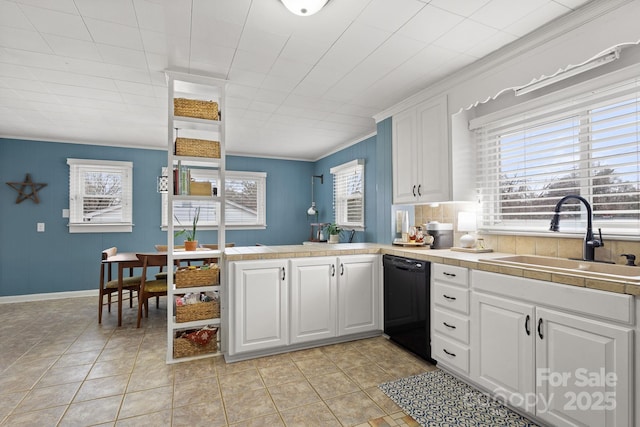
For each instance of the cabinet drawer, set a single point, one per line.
(450, 325)
(451, 274)
(450, 353)
(451, 297)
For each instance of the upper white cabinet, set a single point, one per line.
(421, 163)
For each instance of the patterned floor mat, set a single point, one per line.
(437, 398)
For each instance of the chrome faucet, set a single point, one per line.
(590, 243)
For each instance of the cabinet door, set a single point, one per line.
(259, 300)
(405, 157)
(434, 183)
(358, 288)
(502, 334)
(313, 299)
(584, 371)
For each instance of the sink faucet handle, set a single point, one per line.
(631, 259)
(601, 240)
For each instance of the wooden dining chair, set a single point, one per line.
(150, 288)
(110, 285)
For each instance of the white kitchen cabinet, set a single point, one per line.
(358, 293)
(277, 303)
(596, 358)
(450, 317)
(420, 152)
(314, 302)
(259, 296)
(503, 329)
(557, 352)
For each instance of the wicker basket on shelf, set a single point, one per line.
(199, 311)
(186, 278)
(197, 148)
(185, 347)
(195, 108)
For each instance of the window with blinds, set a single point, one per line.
(100, 196)
(348, 194)
(588, 145)
(245, 195)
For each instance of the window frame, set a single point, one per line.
(586, 99)
(212, 175)
(340, 202)
(76, 200)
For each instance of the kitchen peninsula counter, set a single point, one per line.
(440, 256)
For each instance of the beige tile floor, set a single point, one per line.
(60, 368)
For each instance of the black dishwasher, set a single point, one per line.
(406, 303)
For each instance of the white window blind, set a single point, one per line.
(587, 145)
(348, 194)
(245, 201)
(100, 196)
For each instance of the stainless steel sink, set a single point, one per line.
(570, 266)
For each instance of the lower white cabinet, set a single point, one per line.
(314, 308)
(276, 303)
(259, 301)
(358, 293)
(565, 367)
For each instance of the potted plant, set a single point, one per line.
(334, 233)
(190, 244)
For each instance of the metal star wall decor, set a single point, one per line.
(21, 188)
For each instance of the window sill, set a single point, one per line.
(100, 228)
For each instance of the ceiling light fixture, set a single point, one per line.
(605, 58)
(304, 7)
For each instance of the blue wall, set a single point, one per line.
(57, 261)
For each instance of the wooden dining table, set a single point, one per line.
(126, 260)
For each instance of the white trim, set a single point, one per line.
(485, 67)
(100, 228)
(599, 84)
(48, 296)
(348, 165)
(115, 163)
(544, 81)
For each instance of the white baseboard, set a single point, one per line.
(47, 296)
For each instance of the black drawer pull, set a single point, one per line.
(449, 298)
(448, 325)
(449, 274)
(449, 353)
(526, 325)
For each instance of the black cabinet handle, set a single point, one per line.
(414, 191)
(419, 187)
(283, 273)
(449, 274)
(449, 298)
(448, 325)
(333, 270)
(449, 353)
(341, 269)
(526, 325)
(540, 329)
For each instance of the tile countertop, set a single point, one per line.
(441, 256)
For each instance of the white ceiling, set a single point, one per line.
(91, 71)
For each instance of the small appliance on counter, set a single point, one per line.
(442, 234)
